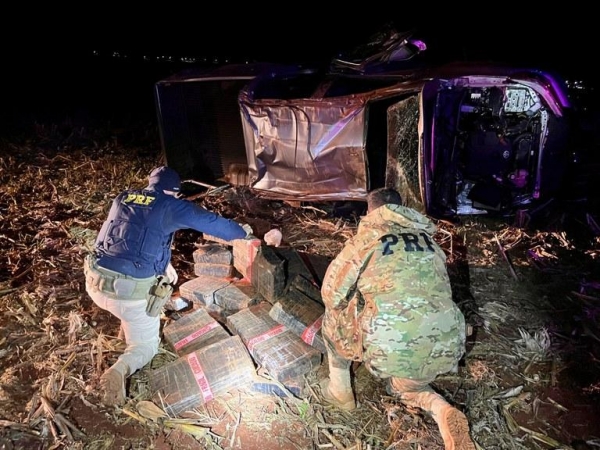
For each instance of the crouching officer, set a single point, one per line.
(130, 274)
(388, 304)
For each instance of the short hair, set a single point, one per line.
(383, 196)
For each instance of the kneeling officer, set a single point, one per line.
(130, 273)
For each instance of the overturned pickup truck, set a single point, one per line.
(453, 138)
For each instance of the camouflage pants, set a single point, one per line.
(335, 360)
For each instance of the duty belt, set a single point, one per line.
(115, 284)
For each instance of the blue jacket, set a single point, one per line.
(136, 237)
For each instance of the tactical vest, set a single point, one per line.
(132, 240)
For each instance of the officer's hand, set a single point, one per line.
(171, 273)
(247, 228)
(273, 237)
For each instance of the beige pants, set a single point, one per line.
(141, 332)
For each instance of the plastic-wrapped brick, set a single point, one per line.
(213, 270)
(302, 315)
(193, 331)
(236, 296)
(268, 273)
(274, 347)
(201, 290)
(244, 253)
(201, 376)
(212, 253)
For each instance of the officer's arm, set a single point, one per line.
(341, 278)
(191, 216)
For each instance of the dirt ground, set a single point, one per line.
(530, 378)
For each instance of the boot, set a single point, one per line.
(337, 389)
(112, 383)
(453, 424)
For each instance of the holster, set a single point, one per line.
(160, 292)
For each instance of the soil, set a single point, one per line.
(530, 378)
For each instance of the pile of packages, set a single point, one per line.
(251, 309)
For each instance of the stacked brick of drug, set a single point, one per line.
(213, 260)
(212, 361)
(272, 345)
(199, 377)
(300, 309)
(222, 285)
(241, 291)
(283, 278)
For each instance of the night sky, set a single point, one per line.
(52, 56)
(516, 31)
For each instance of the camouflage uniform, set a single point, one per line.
(388, 299)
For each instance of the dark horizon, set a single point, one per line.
(70, 68)
(518, 35)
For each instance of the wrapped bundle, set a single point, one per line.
(295, 265)
(213, 270)
(193, 331)
(268, 273)
(201, 290)
(279, 351)
(198, 377)
(212, 253)
(302, 315)
(236, 296)
(244, 253)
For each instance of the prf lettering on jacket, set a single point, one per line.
(139, 199)
(410, 240)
